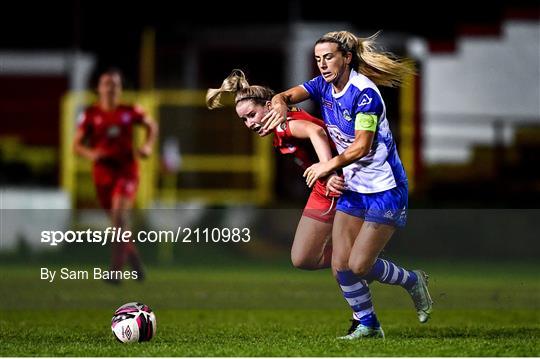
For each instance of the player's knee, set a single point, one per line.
(339, 265)
(359, 267)
(301, 261)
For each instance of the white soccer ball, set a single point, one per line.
(133, 322)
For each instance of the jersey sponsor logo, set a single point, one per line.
(113, 131)
(338, 137)
(365, 100)
(347, 115)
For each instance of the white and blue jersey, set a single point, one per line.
(376, 184)
(381, 169)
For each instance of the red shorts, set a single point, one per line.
(320, 207)
(111, 182)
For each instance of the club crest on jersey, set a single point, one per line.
(113, 131)
(365, 100)
(347, 115)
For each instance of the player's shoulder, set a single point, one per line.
(317, 81)
(296, 113)
(365, 94)
(91, 109)
(361, 83)
(133, 108)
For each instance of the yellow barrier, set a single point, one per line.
(259, 163)
(407, 129)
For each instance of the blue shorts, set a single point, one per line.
(387, 207)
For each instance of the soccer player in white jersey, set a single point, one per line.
(375, 201)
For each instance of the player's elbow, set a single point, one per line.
(317, 132)
(320, 132)
(153, 128)
(76, 147)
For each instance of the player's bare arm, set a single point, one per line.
(319, 140)
(81, 149)
(358, 149)
(151, 136)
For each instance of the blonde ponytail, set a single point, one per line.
(383, 68)
(237, 84)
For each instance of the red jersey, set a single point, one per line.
(319, 205)
(301, 148)
(111, 132)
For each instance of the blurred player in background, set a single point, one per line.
(304, 137)
(376, 196)
(105, 136)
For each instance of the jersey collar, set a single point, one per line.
(342, 92)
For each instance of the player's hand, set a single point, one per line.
(276, 116)
(145, 151)
(335, 185)
(96, 154)
(316, 171)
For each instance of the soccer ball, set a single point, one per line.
(133, 322)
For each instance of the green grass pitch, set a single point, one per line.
(481, 310)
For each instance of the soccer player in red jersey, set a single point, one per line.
(105, 136)
(304, 137)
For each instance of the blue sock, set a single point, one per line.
(387, 272)
(369, 320)
(356, 293)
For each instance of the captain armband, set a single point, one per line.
(365, 122)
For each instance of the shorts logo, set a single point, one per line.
(365, 100)
(347, 115)
(389, 214)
